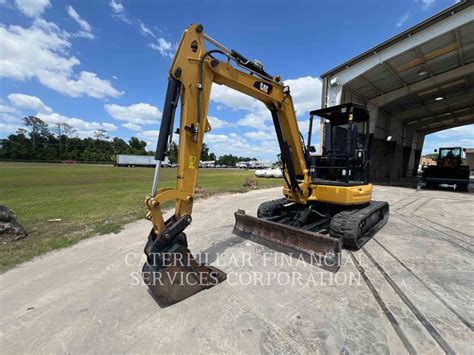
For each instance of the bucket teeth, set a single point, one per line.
(315, 248)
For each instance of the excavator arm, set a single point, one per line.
(193, 72)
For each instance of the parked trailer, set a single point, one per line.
(268, 173)
(137, 160)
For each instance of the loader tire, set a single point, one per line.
(268, 208)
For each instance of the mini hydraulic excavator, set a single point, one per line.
(327, 198)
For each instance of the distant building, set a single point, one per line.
(427, 161)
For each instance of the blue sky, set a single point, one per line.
(103, 64)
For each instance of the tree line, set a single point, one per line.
(40, 142)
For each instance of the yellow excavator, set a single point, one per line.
(327, 198)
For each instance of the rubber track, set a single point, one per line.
(346, 224)
(265, 210)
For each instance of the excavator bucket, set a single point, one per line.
(172, 274)
(315, 248)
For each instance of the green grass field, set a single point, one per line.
(89, 200)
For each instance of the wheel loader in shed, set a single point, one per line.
(448, 170)
(326, 201)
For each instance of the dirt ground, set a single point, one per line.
(408, 290)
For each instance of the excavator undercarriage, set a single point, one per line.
(327, 198)
(317, 232)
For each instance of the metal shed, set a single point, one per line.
(416, 83)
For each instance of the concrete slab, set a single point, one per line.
(409, 290)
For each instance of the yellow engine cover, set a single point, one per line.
(341, 195)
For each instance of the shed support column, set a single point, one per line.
(411, 171)
(377, 151)
(396, 161)
(417, 146)
(408, 149)
(420, 139)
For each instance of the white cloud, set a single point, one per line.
(32, 8)
(75, 16)
(116, 6)
(77, 123)
(467, 130)
(145, 30)
(132, 126)
(237, 145)
(426, 4)
(118, 11)
(257, 114)
(303, 126)
(140, 113)
(260, 135)
(402, 19)
(87, 83)
(86, 28)
(29, 102)
(217, 123)
(150, 134)
(83, 34)
(8, 109)
(461, 136)
(41, 51)
(165, 48)
(12, 118)
(216, 138)
(228, 97)
(109, 126)
(256, 120)
(83, 128)
(306, 93)
(8, 128)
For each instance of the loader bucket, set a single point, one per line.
(172, 274)
(315, 248)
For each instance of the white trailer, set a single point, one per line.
(257, 164)
(137, 160)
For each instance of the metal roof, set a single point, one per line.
(400, 37)
(428, 87)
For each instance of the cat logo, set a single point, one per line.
(264, 87)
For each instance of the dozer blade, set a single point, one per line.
(172, 273)
(315, 248)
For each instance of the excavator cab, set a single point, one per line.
(344, 160)
(339, 211)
